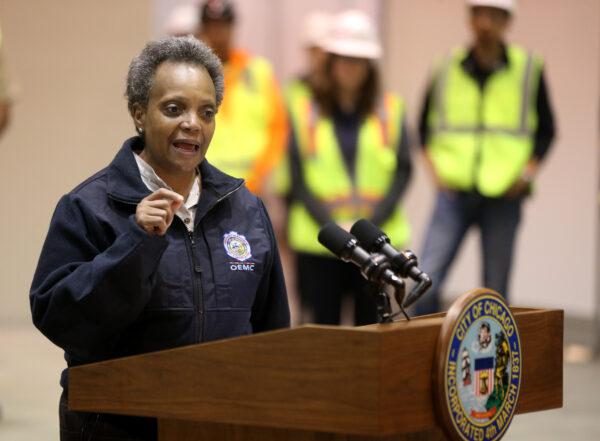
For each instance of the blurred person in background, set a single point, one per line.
(5, 101)
(159, 249)
(252, 127)
(316, 28)
(349, 159)
(486, 124)
(312, 77)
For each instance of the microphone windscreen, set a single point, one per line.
(334, 238)
(367, 233)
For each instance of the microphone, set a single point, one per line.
(403, 262)
(374, 268)
(375, 240)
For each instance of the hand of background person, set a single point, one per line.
(439, 185)
(4, 116)
(523, 183)
(519, 188)
(155, 212)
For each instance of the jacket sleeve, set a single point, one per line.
(271, 309)
(86, 290)
(386, 207)
(546, 129)
(426, 105)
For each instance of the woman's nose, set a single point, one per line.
(191, 123)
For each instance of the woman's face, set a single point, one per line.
(349, 73)
(179, 119)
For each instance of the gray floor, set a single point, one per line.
(29, 390)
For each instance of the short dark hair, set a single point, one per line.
(176, 49)
(326, 96)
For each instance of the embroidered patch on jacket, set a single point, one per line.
(237, 246)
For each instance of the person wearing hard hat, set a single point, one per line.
(252, 126)
(312, 76)
(316, 27)
(486, 124)
(349, 159)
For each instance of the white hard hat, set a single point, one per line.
(353, 34)
(507, 5)
(316, 28)
(183, 20)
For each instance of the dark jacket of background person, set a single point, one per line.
(104, 288)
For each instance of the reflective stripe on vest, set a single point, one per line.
(294, 91)
(346, 195)
(483, 139)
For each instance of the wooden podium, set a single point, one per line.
(308, 383)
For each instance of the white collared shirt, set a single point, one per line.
(187, 211)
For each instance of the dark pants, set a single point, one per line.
(84, 426)
(323, 282)
(454, 214)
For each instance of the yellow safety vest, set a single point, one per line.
(326, 176)
(250, 131)
(483, 139)
(295, 91)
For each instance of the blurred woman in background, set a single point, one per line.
(348, 159)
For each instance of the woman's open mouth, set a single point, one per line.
(186, 145)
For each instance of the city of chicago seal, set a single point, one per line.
(479, 367)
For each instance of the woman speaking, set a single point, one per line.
(159, 249)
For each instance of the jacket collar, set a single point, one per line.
(125, 183)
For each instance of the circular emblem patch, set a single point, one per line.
(479, 375)
(237, 246)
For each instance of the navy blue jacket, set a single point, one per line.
(104, 288)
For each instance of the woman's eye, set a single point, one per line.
(209, 114)
(172, 109)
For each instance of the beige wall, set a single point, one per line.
(70, 58)
(556, 263)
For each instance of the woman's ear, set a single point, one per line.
(139, 116)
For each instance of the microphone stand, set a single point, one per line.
(407, 265)
(384, 306)
(423, 285)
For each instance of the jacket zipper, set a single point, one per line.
(197, 288)
(225, 196)
(197, 271)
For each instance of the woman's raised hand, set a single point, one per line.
(155, 212)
